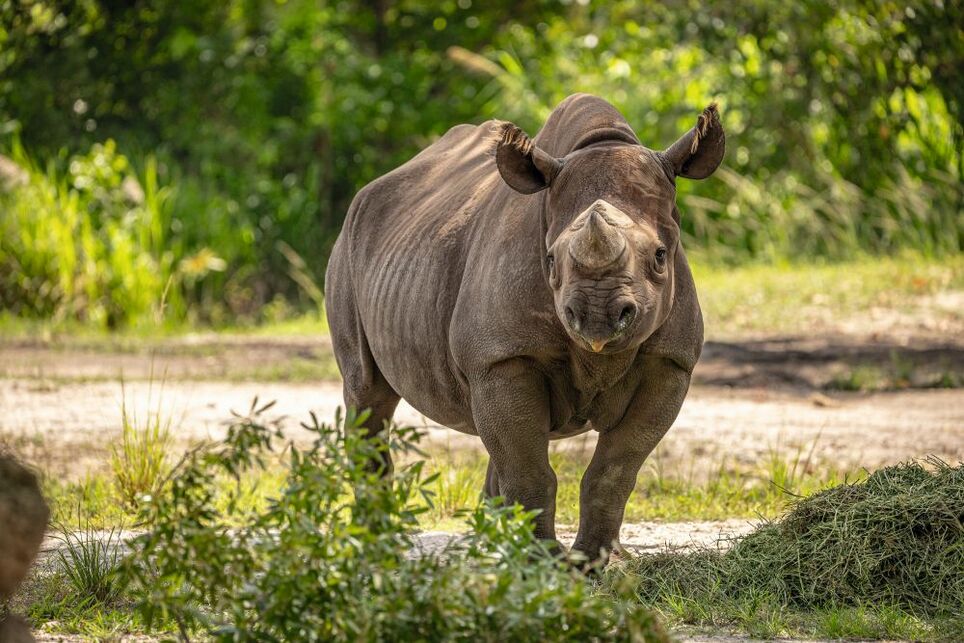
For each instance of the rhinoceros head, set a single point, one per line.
(611, 227)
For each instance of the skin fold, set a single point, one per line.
(525, 290)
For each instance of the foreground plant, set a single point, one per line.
(334, 557)
(89, 560)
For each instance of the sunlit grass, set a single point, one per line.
(140, 460)
(725, 491)
(875, 559)
(792, 298)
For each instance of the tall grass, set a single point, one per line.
(91, 241)
(140, 461)
(87, 244)
(828, 217)
(89, 560)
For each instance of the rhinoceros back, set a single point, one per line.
(396, 269)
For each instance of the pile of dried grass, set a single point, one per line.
(895, 539)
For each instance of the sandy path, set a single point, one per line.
(69, 427)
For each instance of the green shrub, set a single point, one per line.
(323, 562)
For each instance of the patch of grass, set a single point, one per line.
(869, 622)
(899, 372)
(89, 561)
(879, 558)
(95, 495)
(309, 323)
(294, 369)
(52, 605)
(796, 298)
(457, 484)
(139, 461)
(76, 589)
(727, 491)
(297, 325)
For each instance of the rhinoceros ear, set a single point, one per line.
(699, 151)
(523, 166)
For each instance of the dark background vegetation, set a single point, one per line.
(193, 161)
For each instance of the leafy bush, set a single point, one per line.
(323, 563)
(85, 245)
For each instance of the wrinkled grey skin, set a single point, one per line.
(525, 291)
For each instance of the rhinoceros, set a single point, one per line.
(527, 290)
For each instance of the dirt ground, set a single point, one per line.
(61, 406)
(752, 400)
(67, 428)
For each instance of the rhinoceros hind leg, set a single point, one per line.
(364, 386)
(379, 398)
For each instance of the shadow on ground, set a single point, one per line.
(836, 363)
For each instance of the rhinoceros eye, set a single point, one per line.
(551, 262)
(660, 257)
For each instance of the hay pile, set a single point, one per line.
(896, 538)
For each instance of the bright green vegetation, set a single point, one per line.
(800, 297)
(199, 171)
(311, 565)
(726, 491)
(881, 558)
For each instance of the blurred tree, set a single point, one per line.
(267, 115)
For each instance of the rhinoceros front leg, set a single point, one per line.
(620, 452)
(510, 407)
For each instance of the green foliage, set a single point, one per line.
(843, 121)
(323, 563)
(87, 244)
(843, 129)
(894, 541)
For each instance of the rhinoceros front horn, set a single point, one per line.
(597, 243)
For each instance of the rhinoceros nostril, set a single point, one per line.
(626, 316)
(571, 318)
